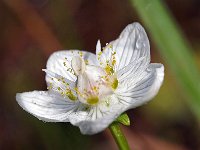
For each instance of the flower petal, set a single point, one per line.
(46, 106)
(133, 69)
(131, 45)
(136, 91)
(99, 117)
(60, 62)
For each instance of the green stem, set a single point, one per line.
(119, 136)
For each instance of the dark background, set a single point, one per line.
(30, 30)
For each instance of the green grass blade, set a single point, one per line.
(173, 47)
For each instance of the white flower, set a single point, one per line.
(91, 91)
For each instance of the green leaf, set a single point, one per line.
(123, 119)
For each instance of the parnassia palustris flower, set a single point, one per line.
(90, 91)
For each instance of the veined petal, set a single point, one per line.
(60, 62)
(131, 45)
(46, 106)
(133, 69)
(143, 88)
(53, 108)
(99, 117)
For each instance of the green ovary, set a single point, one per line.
(92, 100)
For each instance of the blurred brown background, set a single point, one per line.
(30, 30)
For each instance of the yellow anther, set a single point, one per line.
(77, 91)
(62, 93)
(113, 62)
(114, 85)
(95, 89)
(50, 86)
(70, 70)
(72, 96)
(114, 53)
(80, 54)
(100, 53)
(109, 69)
(86, 62)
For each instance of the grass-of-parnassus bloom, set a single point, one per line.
(90, 91)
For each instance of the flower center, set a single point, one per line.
(93, 83)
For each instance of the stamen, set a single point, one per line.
(68, 92)
(86, 62)
(50, 86)
(114, 85)
(109, 69)
(99, 55)
(69, 69)
(113, 58)
(80, 54)
(111, 63)
(70, 95)
(64, 88)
